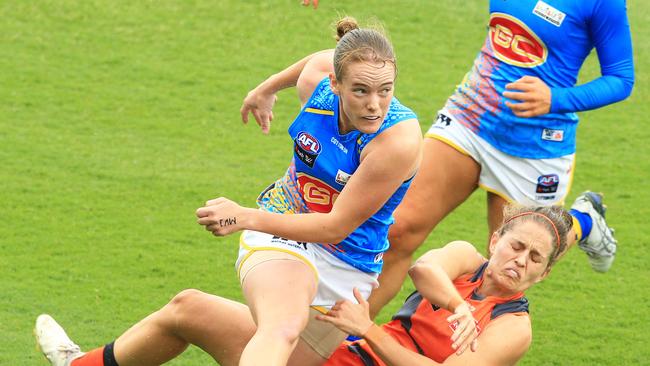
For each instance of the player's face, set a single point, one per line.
(520, 256)
(365, 92)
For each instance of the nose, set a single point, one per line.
(373, 103)
(520, 260)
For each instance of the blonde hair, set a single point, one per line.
(360, 44)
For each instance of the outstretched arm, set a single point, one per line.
(393, 158)
(304, 74)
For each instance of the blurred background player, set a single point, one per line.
(321, 229)
(462, 301)
(510, 126)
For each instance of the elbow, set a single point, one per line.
(628, 85)
(336, 228)
(624, 85)
(337, 236)
(334, 234)
(419, 270)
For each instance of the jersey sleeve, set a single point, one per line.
(610, 31)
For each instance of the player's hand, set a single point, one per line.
(221, 216)
(465, 330)
(349, 317)
(260, 104)
(533, 95)
(313, 2)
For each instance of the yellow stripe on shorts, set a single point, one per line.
(252, 250)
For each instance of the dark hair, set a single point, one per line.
(555, 219)
(360, 44)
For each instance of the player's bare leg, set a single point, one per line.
(219, 326)
(278, 293)
(445, 179)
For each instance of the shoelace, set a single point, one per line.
(70, 349)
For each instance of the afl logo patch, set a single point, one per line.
(307, 148)
(548, 183)
(514, 43)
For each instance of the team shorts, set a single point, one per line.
(335, 280)
(542, 182)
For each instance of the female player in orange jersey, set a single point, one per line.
(462, 301)
(459, 294)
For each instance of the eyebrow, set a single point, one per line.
(364, 84)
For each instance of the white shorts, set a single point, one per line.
(335, 278)
(542, 182)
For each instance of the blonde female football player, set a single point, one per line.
(322, 228)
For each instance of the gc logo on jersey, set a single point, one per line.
(548, 183)
(307, 148)
(318, 195)
(514, 43)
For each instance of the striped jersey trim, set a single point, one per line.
(319, 111)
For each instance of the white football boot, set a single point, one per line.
(600, 244)
(54, 342)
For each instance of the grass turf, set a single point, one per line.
(118, 119)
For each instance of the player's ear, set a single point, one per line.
(493, 242)
(334, 84)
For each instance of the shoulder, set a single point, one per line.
(322, 97)
(461, 249)
(458, 258)
(406, 132)
(398, 110)
(461, 246)
(400, 141)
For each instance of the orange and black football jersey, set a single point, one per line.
(423, 328)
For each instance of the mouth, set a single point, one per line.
(512, 273)
(371, 118)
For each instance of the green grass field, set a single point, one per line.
(118, 119)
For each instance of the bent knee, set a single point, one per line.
(186, 298)
(406, 236)
(185, 303)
